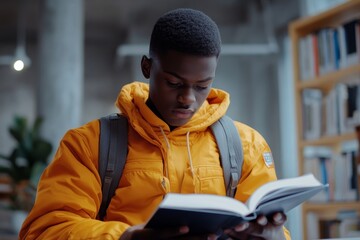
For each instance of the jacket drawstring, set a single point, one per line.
(188, 151)
(168, 147)
(190, 159)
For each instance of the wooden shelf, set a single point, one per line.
(328, 140)
(329, 80)
(330, 210)
(299, 30)
(330, 206)
(342, 13)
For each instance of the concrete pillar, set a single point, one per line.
(61, 67)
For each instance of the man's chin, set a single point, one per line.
(177, 123)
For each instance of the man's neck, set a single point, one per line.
(152, 107)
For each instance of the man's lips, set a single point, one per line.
(183, 113)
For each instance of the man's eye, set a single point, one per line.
(174, 85)
(201, 88)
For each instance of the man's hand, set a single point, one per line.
(137, 232)
(268, 228)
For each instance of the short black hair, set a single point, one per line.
(188, 31)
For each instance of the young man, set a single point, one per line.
(170, 148)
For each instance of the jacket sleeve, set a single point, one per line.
(69, 193)
(258, 167)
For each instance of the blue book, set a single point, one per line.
(336, 49)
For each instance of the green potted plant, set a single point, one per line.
(26, 161)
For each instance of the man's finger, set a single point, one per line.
(241, 227)
(278, 219)
(159, 234)
(262, 220)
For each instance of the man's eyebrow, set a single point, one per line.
(180, 77)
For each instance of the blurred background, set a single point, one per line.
(76, 55)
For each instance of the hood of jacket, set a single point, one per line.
(131, 102)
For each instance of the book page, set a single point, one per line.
(204, 202)
(288, 202)
(287, 186)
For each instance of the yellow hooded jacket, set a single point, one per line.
(185, 160)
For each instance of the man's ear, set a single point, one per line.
(146, 66)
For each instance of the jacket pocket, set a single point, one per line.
(141, 189)
(210, 179)
(144, 177)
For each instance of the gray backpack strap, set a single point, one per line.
(112, 156)
(231, 152)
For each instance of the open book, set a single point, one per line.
(206, 213)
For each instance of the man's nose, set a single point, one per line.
(186, 96)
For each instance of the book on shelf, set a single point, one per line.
(312, 101)
(313, 228)
(206, 213)
(338, 169)
(345, 225)
(329, 49)
(357, 160)
(351, 29)
(333, 113)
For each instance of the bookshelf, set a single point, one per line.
(321, 71)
